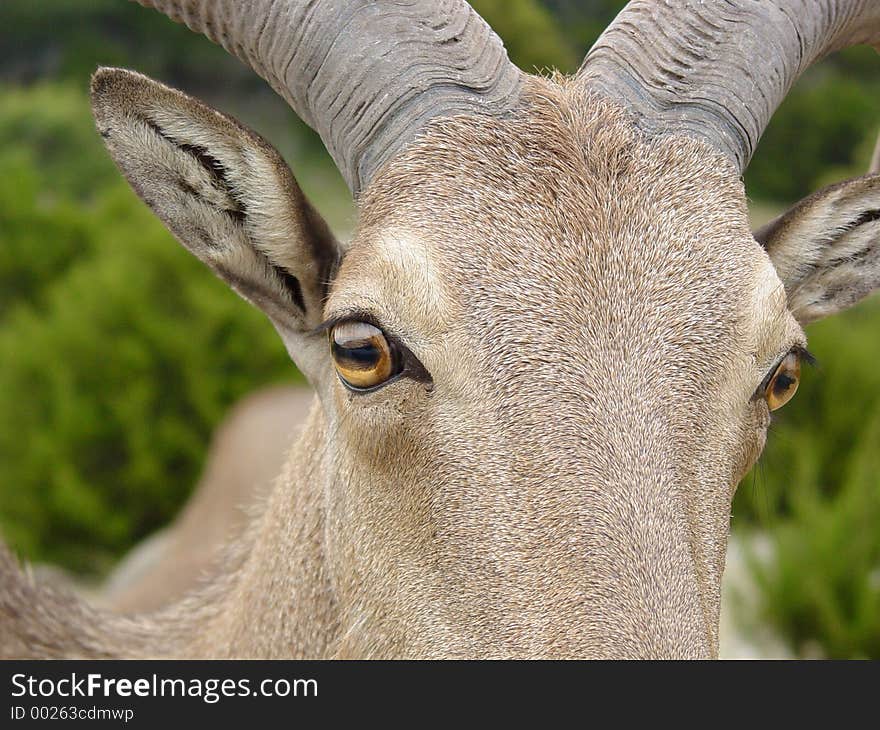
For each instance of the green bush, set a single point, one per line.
(53, 163)
(42, 235)
(826, 120)
(821, 589)
(532, 36)
(816, 491)
(67, 39)
(52, 124)
(120, 354)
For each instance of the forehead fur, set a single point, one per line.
(564, 151)
(563, 214)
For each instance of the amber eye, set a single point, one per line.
(784, 382)
(363, 356)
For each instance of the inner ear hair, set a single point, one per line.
(216, 172)
(213, 188)
(826, 249)
(224, 192)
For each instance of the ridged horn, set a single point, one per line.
(367, 75)
(718, 69)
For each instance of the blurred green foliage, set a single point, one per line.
(831, 117)
(69, 38)
(120, 352)
(534, 39)
(49, 153)
(816, 491)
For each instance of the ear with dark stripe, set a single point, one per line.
(227, 195)
(826, 249)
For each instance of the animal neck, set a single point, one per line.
(279, 601)
(271, 598)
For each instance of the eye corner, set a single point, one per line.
(414, 370)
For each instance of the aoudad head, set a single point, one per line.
(552, 347)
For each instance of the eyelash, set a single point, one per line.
(804, 355)
(807, 357)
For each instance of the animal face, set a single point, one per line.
(551, 351)
(592, 322)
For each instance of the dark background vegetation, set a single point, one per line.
(120, 353)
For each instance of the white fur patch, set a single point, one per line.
(394, 276)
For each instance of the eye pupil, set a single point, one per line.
(783, 383)
(363, 356)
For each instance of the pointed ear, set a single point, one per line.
(227, 196)
(826, 249)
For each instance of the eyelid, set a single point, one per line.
(354, 315)
(363, 391)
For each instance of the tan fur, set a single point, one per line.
(596, 318)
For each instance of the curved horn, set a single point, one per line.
(367, 75)
(717, 69)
